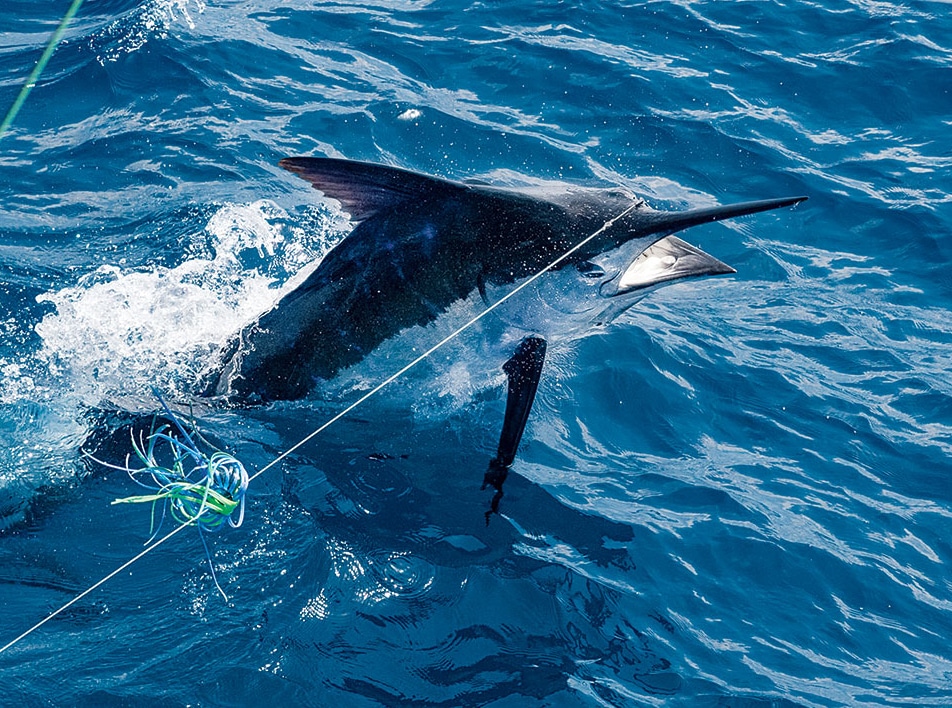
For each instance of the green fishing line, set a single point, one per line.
(40, 66)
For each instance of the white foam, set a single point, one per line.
(153, 18)
(117, 332)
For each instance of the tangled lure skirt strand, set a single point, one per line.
(192, 486)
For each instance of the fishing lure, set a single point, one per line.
(194, 487)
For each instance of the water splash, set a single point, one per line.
(153, 19)
(118, 332)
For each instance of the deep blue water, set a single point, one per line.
(736, 495)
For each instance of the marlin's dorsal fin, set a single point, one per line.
(363, 188)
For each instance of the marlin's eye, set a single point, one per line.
(589, 270)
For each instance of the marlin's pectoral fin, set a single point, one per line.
(523, 370)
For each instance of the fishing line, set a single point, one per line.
(92, 587)
(379, 387)
(186, 482)
(38, 69)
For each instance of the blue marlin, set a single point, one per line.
(421, 244)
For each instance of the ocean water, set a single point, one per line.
(737, 494)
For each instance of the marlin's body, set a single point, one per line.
(422, 244)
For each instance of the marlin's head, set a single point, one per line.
(643, 251)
